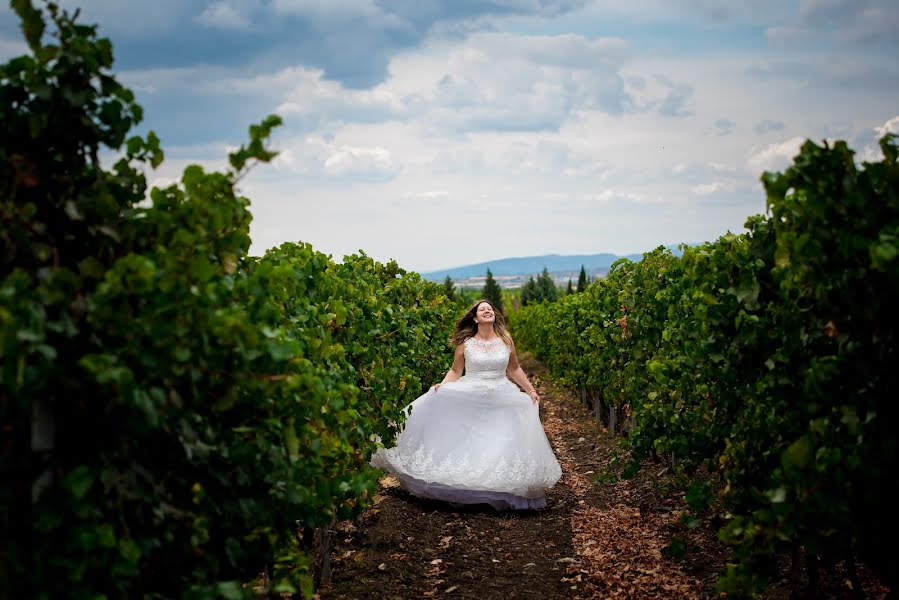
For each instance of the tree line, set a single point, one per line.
(535, 290)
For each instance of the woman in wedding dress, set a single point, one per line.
(476, 438)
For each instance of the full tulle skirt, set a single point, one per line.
(474, 442)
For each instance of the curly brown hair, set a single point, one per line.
(466, 327)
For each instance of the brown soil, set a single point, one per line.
(593, 540)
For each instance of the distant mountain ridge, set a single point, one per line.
(532, 265)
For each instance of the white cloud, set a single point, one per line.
(347, 161)
(487, 82)
(431, 195)
(563, 50)
(891, 126)
(668, 97)
(721, 168)
(328, 9)
(512, 82)
(775, 156)
(197, 78)
(224, 15)
(318, 157)
(872, 152)
(714, 187)
(490, 81)
(768, 125)
(308, 93)
(724, 126)
(619, 197)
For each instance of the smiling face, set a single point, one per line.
(470, 323)
(484, 313)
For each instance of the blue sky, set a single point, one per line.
(444, 133)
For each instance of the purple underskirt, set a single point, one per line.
(498, 500)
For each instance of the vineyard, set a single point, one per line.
(194, 407)
(761, 367)
(179, 416)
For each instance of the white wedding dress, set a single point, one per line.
(476, 440)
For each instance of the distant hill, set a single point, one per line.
(532, 265)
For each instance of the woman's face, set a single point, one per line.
(484, 313)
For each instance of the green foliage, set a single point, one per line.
(493, 293)
(767, 357)
(529, 292)
(449, 288)
(542, 289)
(582, 281)
(546, 287)
(193, 406)
(467, 296)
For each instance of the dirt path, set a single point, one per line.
(593, 540)
(406, 547)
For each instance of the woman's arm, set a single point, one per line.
(456, 370)
(517, 374)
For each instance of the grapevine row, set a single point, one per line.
(766, 359)
(177, 415)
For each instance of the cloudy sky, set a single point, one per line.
(442, 133)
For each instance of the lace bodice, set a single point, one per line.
(486, 361)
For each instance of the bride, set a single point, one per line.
(476, 438)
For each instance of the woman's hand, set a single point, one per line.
(436, 386)
(535, 397)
